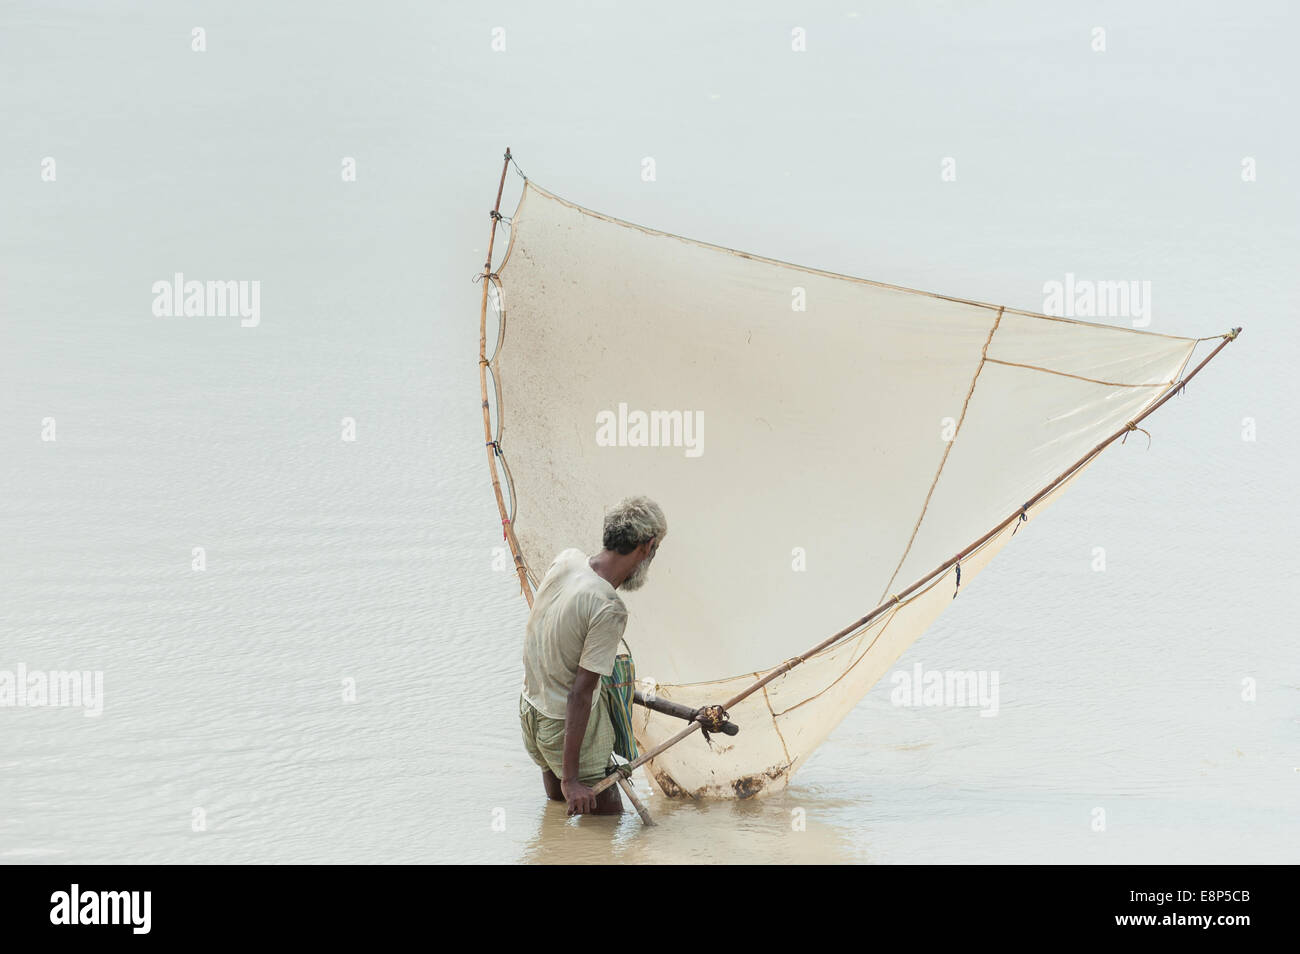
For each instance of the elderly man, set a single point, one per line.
(572, 638)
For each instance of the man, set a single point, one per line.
(572, 638)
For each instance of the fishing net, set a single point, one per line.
(811, 462)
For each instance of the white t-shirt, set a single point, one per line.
(577, 620)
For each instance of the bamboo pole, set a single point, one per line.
(630, 792)
(644, 757)
(942, 568)
(507, 531)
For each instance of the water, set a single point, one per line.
(370, 560)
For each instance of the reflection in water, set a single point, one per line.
(782, 828)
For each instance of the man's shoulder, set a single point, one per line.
(566, 556)
(580, 583)
(599, 594)
(565, 563)
(611, 604)
(594, 588)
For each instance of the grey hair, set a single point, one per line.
(632, 523)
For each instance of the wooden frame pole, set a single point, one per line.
(493, 449)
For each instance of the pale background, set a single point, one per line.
(373, 560)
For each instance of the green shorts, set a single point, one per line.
(544, 740)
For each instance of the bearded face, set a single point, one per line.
(638, 577)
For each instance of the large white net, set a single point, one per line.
(837, 454)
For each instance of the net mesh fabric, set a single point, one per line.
(877, 433)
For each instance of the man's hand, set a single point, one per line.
(581, 799)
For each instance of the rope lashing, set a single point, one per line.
(957, 566)
(1022, 519)
(1133, 427)
(711, 719)
(479, 276)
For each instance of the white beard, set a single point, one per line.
(638, 577)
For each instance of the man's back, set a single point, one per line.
(577, 620)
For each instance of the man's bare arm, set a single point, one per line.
(577, 713)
